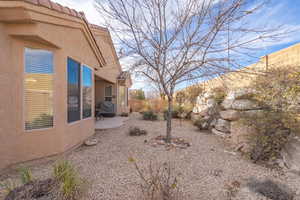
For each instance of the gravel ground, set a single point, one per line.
(206, 167)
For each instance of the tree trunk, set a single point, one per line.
(169, 120)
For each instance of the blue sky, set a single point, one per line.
(286, 12)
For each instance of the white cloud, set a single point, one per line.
(87, 6)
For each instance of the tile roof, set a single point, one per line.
(57, 7)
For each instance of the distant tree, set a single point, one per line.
(137, 94)
(175, 41)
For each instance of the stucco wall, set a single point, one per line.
(18, 145)
(284, 58)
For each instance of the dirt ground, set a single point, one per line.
(206, 167)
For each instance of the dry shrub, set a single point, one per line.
(158, 182)
(136, 131)
(271, 136)
(271, 190)
(219, 94)
(136, 105)
(191, 94)
(157, 105)
(279, 92)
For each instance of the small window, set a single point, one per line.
(86, 92)
(74, 104)
(108, 93)
(38, 88)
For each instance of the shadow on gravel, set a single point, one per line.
(271, 190)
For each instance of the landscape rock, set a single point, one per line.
(245, 104)
(241, 93)
(91, 142)
(291, 155)
(252, 113)
(223, 126)
(230, 115)
(227, 104)
(240, 134)
(219, 133)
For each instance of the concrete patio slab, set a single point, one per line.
(110, 122)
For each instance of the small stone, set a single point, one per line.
(219, 133)
(91, 142)
(223, 126)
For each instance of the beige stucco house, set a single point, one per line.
(55, 68)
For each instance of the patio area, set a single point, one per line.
(110, 123)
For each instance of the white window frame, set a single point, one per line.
(112, 91)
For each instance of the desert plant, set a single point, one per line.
(26, 175)
(279, 89)
(136, 131)
(271, 189)
(270, 135)
(158, 182)
(150, 115)
(219, 94)
(8, 185)
(71, 185)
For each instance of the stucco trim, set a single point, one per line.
(40, 9)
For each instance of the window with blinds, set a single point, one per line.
(38, 89)
(86, 92)
(73, 90)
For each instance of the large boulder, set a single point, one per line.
(291, 155)
(227, 104)
(223, 126)
(252, 113)
(241, 93)
(230, 115)
(240, 133)
(245, 104)
(203, 105)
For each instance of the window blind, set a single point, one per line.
(38, 88)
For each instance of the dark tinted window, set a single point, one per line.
(73, 90)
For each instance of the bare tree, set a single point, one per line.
(175, 41)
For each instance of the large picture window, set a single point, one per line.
(38, 89)
(86, 92)
(73, 90)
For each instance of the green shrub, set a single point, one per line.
(26, 175)
(70, 182)
(150, 115)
